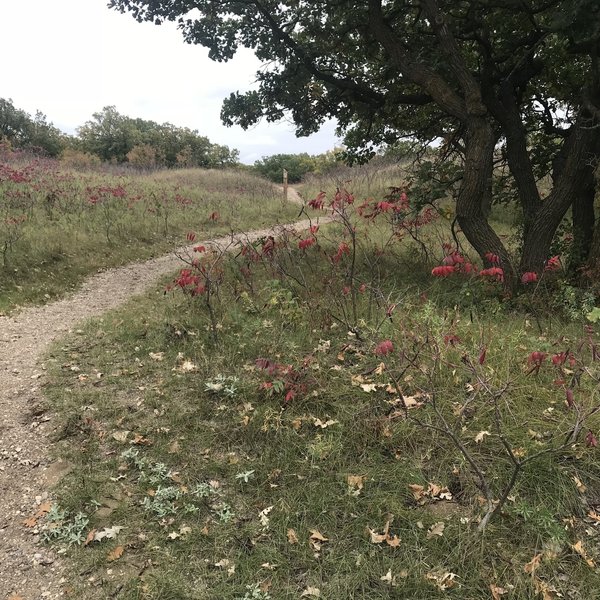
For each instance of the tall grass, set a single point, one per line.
(58, 225)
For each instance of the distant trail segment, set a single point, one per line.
(28, 569)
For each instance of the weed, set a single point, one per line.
(63, 528)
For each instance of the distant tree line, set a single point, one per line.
(112, 137)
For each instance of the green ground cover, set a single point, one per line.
(320, 418)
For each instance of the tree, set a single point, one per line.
(510, 86)
(25, 132)
(116, 137)
(109, 135)
(297, 165)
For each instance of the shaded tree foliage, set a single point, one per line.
(510, 86)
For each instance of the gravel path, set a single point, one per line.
(29, 570)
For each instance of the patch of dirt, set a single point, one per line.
(28, 569)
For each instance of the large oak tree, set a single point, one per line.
(507, 84)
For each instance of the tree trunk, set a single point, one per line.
(593, 263)
(540, 230)
(478, 169)
(583, 222)
(593, 260)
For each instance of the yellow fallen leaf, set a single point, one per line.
(140, 440)
(355, 484)
(368, 387)
(30, 522)
(292, 536)
(594, 516)
(581, 488)
(418, 491)
(187, 366)
(387, 577)
(324, 424)
(376, 538)
(480, 436)
(436, 529)
(44, 508)
(541, 587)
(313, 592)
(90, 537)
(443, 579)
(115, 554)
(497, 591)
(121, 436)
(578, 547)
(533, 564)
(317, 535)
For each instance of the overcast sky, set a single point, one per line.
(70, 58)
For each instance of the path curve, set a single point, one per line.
(29, 570)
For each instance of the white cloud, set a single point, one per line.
(70, 58)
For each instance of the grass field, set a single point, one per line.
(58, 225)
(331, 422)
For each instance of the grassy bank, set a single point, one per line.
(58, 225)
(330, 423)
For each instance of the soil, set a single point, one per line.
(30, 570)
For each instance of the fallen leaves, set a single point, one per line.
(186, 366)
(263, 517)
(42, 510)
(533, 564)
(355, 484)
(578, 547)
(543, 589)
(226, 565)
(108, 533)
(369, 387)
(389, 578)
(312, 592)
(443, 580)
(379, 538)
(481, 436)
(581, 487)
(497, 591)
(324, 424)
(292, 536)
(437, 529)
(432, 493)
(316, 541)
(121, 436)
(115, 554)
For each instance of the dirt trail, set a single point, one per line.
(29, 570)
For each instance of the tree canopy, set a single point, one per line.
(113, 136)
(22, 130)
(509, 86)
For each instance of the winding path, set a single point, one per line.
(29, 570)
